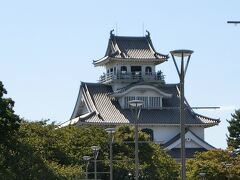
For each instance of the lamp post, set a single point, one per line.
(86, 159)
(136, 105)
(227, 166)
(95, 155)
(181, 73)
(202, 175)
(111, 131)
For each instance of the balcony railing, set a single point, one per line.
(132, 77)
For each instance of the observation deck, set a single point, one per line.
(108, 78)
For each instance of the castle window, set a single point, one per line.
(148, 70)
(148, 102)
(123, 69)
(136, 70)
(154, 102)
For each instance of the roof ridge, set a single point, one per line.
(90, 100)
(201, 139)
(177, 137)
(131, 37)
(206, 117)
(94, 83)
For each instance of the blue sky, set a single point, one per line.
(47, 48)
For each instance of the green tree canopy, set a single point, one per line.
(44, 152)
(233, 139)
(216, 164)
(9, 122)
(155, 163)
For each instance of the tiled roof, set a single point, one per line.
(174, 139)
(189, 152)
(177, 137)
(108, 111)
(131, 48)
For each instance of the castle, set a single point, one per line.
(130, 74)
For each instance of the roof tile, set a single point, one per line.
(110, 111)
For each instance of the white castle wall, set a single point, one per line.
(163, 134)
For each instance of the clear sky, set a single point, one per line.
(47, 48)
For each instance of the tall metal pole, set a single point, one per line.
(111, 131)
(182, 121)
(136, 144)
(86, 172)
(136, 104)
(86, 159)
(95, 154)
(95, 167)
(181, 73)
(111, 157)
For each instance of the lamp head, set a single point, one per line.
(202, 174)
(135, 103)
(181, 52)
(110, 130)
(86, 158)
(95, 148)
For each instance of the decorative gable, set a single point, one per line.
(150, 95)
(191, 141)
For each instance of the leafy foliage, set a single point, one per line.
(43, 152)
(37, 150)
(234, 131)
(217, 164)
(9, 122)
(35, 155)
(154, 161)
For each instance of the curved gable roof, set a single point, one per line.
(130, 48)
(108, 111)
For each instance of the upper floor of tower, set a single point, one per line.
(130, 59)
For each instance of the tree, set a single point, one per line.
(233, 139)
(216, 164)
(58, 153)
(41, 152)
(154, 162)
(9, 122)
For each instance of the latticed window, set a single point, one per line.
(154, 102)
(148, 102)
(144, 99)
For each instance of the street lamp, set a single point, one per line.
(136, 105)
(181, 73)
(86, 159)
(227, 166)
(202, 175)
(111, 131)
(95, 155)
